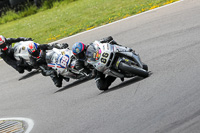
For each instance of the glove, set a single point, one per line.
(64, 45)
(43, 47)
(59, 45)
(107, 39)
(29, 39)
(42, 70)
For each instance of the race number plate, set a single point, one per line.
(64, 61)
(104, 58)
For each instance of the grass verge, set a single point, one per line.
(66, 19)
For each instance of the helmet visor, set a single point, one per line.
(93, 52)
(81, 55)
(36, 53)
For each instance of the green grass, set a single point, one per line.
(68, 18)
(28, 9)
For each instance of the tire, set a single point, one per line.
(101, 85)
(134, 70)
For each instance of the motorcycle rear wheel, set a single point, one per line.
(134, 69)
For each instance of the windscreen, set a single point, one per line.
(93, 52)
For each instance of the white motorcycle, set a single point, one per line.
(21, 52)
(115, 60)
(63, 62)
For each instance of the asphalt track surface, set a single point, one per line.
(168, 101)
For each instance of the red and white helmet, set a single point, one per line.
(2, 41)
(33, 50)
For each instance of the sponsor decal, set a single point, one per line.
(108, 46)
(77, 50)
(64, 61)
(23, 48)
(72, 67)
(117, 64)
(63, 53)
(1, 41)
(103, 47)
(127, 60)
(94, 55)
(30, 46)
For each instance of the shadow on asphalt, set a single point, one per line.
(80, 81)
(126, 83)
(28, 75)
(123, 84)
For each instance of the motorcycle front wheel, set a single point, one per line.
(133, 69)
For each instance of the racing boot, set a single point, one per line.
(28, 68)
(57, 80)
(106, 40)
(110, 40)
(20, 69)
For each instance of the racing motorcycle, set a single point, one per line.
(21, 52)
(115, 60)
(63, 62)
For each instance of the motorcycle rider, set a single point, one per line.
(38, 59)
(79, 50)
(7, 53)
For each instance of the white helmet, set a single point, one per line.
(2, 41)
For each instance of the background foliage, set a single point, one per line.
(58, 19)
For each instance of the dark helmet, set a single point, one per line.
(2, 41)
(33, 50)
(78, 50)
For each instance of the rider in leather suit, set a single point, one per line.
(39, 59)
(7, 53)
(102, 81)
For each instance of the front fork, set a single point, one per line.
(134, 56)
(128, 52)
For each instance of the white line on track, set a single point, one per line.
(118, 21)
(28, 121)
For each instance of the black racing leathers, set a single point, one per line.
(103, 82)
(7, 53)
(80, 65)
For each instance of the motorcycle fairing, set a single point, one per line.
(21, 51)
